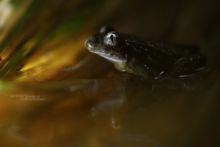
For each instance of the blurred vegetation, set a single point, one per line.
(53, 92)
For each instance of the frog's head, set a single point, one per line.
(106, 43)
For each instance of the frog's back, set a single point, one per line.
(163, 59)
(174, 50)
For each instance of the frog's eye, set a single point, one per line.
(110, 39)
(105, 29)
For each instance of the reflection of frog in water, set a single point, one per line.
(153, 59)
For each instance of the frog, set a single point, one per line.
(152, 59)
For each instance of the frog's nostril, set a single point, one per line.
(89, 43)
(91, 40)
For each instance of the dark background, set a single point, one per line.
(53, 92)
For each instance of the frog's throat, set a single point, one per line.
(120, 66)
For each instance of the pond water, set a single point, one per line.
(53, 92)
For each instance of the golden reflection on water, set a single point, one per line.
(54, 93)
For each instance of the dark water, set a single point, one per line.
(53, 92)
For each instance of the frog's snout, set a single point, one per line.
(90, 43)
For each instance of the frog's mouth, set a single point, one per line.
(111, 57)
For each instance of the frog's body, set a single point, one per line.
(146, 58)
